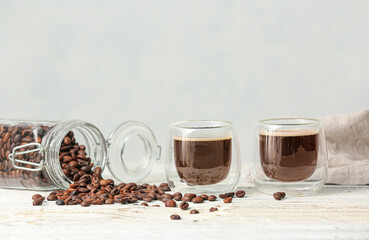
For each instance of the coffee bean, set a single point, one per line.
(212, 198)
(190, 195)
(165, 187)
(155, 205)
(230, 194)
(194, 211)
(186, 199)
(144, 204)
(36, 196)
(109, 201)
(222, 196)
(167, 195)
(147, 199)
(205, 197)
(122, 200)
(85, 203)
(73, 164)
(228, 200)
(74, 202)
(104, 182)
(60, 202)
(97, 202)
(86, 169)
(213, 209)
(170, 203)
(198, 200)
(67, 141)
(132, 200)
(52, 198)
(184, 205)
(240, 193)
(160, 191)
(98, 170)
(279, 195)
(177, 197)
(175, 217)
(37, 201)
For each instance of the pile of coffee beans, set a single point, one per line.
(93, 189)
(14, 136)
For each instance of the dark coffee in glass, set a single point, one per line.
(202, 161)
(289, 156)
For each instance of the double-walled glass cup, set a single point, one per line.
(291, 156)
(203, 157)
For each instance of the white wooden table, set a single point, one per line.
(337, 212)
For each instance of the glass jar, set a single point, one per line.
(40, 154)
(291, 156)
(203, 157)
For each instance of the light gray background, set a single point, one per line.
(163, 61)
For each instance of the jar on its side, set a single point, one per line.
(48, 155)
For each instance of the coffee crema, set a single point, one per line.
(289, 156)
(202, 161)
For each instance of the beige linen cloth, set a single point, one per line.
(347, 139)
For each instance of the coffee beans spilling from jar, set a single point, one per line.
(73, 158)
(89, 188)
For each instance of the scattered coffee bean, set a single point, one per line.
(212, 198)
(230, 194)
(52, 198)
(177, 196)
(198, 199)
(228, 200)
(186, 199)
(175, 217)
(194, 211)
(37, 201)
(184, 205)
(222, 196)
(240, 193)
(170, 203)
(97, 202)
(279, 195)
(165, 187)
(36, 196)
(205, 197)
(144, 204)
(190, 195)
(85, 203)
(156, 205)
(60, 202)
(109, 201)
(213, 209)
(147, 199)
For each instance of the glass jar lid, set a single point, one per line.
(132, 149)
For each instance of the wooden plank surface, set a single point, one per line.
(337, 212)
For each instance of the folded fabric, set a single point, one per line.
(347, 139)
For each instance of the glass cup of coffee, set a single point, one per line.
(291, 156)
(203, 157)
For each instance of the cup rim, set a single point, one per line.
(221, 124)
(279, 122)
